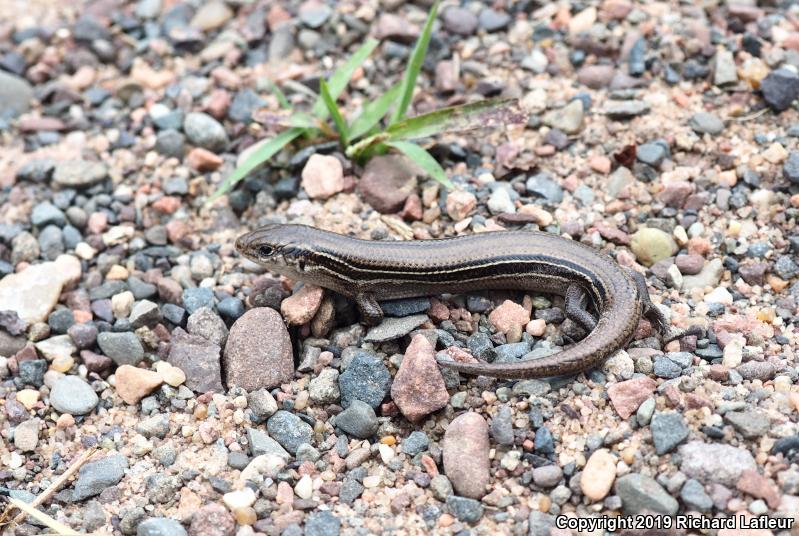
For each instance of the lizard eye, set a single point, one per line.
(265, 251)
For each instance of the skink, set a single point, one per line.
(601, 296)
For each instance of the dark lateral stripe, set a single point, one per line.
(510, 266)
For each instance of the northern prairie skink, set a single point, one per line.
(601, 296)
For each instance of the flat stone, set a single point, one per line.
(418, 387)
(394, 328)
(15, 95)
(135, 383)
(387, 181)
(715, 462)
(750, 424)
(124, 348)
(160, 526)
(300, 307)
(258, 353)
(465, 509)
(626, 396)
(465, 452)
(72, 395)
(26, 435)
(96, 476)
(198, 358)
(668, 431)
(358, 420)
(31, 293)
(289, 430)
(204, 131)
(366, 378)
(639, 493)
(706, 123)
(79, 173)
(205, 323)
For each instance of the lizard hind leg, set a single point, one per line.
(369, 308)
(576, 302)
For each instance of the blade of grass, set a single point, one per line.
(481, 114)
(373, 112)
(342, 75)
(281, 97)
(423, 159)
(264, 153)
(338, 120)
(415, 65)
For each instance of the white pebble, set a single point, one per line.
(304, 488)
(386, 453)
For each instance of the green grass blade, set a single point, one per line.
(281, 97)
(373, 112)
(264, 153)
(338, 120)
(423, 159)
(342, 75)
(415, 65)
(488, 113)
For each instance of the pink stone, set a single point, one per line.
(134, 383)
(465, 449)
(508, 316)
(418, 387)
(300, 308)
(460, 204)
(757, 485)
(322, 176)
(628, 395)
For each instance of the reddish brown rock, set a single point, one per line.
(258, 351)
(596, 76)
(300, 307)
(627, 396)
(465, 449)
(689, 264)
(757, 485)
(213, 519)
(418, 387)
(508, 316)
(203, 160)
(387, 182)
(198, 358)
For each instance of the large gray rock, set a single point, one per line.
(98, 475)
(15, 95)
(639, 493)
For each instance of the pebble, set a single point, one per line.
(693, 496)
(289, 430)
(72, 395)
(790, 169)
(324, 388)
(547, 476)
(465, 509)
(358, 420)
(160, 526)
(262, 404)
(651, 245)
(750, 424)
(322, 176)
(79, 173)
(196, 298)
(543, 186)
(625, 109)
(366, 379)
(212, 519)
(58, 347)
(198, 358)
(492, 20)
(568, 119)
(706, 123)
(15, 95)
(714, 462)
(387, 181)
(394, 328)
(144, 313)
(626, 396)
(598, 475)
(509, 316)
(322, 523)
(204, 131)
(26, 435)
(639, 493)
(300, 307)
(668, 431)
(205, 323)
(666, 368)
(405, 307)
(460, 204)
(416, 443)
(465, 452)
(124, 348)
(96, 476)
(258, 353)
(211, 16)
(418, 388)
(261, 444)
(780, 88)
(135, 383)
(31, 293)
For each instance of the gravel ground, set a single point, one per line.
(215, 399)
